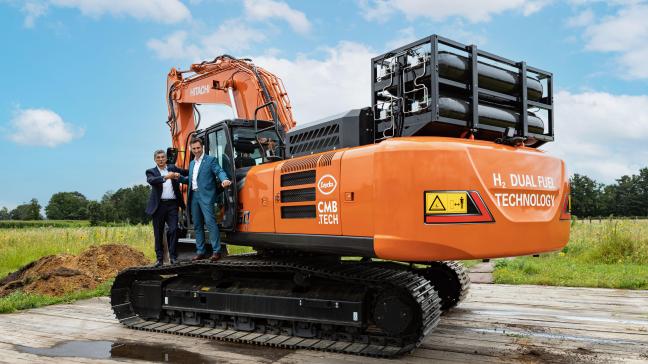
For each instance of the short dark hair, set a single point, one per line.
(196, 140)
(159, 151)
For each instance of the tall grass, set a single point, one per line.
(22, 245)
(612, 254)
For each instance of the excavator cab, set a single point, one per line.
(237, 147)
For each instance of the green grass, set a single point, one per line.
(21, 301)
(470, 263)
(20, 246)
(611, 254)
(18, 224)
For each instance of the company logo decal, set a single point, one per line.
(326, 184)
(199, 90)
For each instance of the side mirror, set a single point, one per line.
(172, 155)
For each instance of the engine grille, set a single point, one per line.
(298, 195)
(298, 212)
(298, 178)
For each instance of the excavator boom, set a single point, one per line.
(251, 92)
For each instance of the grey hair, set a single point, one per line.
(159, 151)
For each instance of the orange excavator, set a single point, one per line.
(357, 220)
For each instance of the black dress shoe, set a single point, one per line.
(158, 264)
(215, 257)
(174, 261)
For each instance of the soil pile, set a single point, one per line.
(56, 275)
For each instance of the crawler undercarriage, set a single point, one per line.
(372, 308)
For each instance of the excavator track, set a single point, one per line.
(450, 279)
(368, 339)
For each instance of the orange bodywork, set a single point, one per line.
(379, 193)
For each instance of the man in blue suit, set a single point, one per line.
(164, 200)
(204, 171)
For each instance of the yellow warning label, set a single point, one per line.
(446, 203)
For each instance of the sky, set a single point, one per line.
(82, 102)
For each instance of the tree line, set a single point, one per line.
(126, 205)
(627, 197)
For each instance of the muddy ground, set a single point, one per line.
(56, 275)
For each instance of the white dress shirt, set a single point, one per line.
(167, 186)
(194, 175)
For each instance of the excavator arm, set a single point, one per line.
(252, 92)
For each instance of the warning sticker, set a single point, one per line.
(446, 203)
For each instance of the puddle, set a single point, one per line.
(115, 350)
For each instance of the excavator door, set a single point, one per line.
(218, 142)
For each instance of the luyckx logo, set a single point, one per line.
(326, 184)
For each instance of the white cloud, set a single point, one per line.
(268, 9)
(174, 46)
(456, 27)
(403, 37)
(33, 10)
(231, 36)
(42, 127)
(474, 11)
(163, 11)
(322, 87)
(584, 18)
(600, 134)
(626, 34)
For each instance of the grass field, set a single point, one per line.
(607, 254)
(610, 254)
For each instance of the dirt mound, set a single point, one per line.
(56, 275)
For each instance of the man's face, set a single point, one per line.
(197, 149)
(161, 160)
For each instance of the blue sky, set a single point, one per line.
(82, 105)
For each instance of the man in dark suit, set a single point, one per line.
(164, 200)
(204, 174)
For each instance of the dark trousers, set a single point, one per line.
(167, 212)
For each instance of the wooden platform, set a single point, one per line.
(496, 324)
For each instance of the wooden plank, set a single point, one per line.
(496, 324)
(548, 321)
(443, 340)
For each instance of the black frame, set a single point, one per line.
(471, 88)
(231, 206)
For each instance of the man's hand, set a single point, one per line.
(226, 183)
(172, 175)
